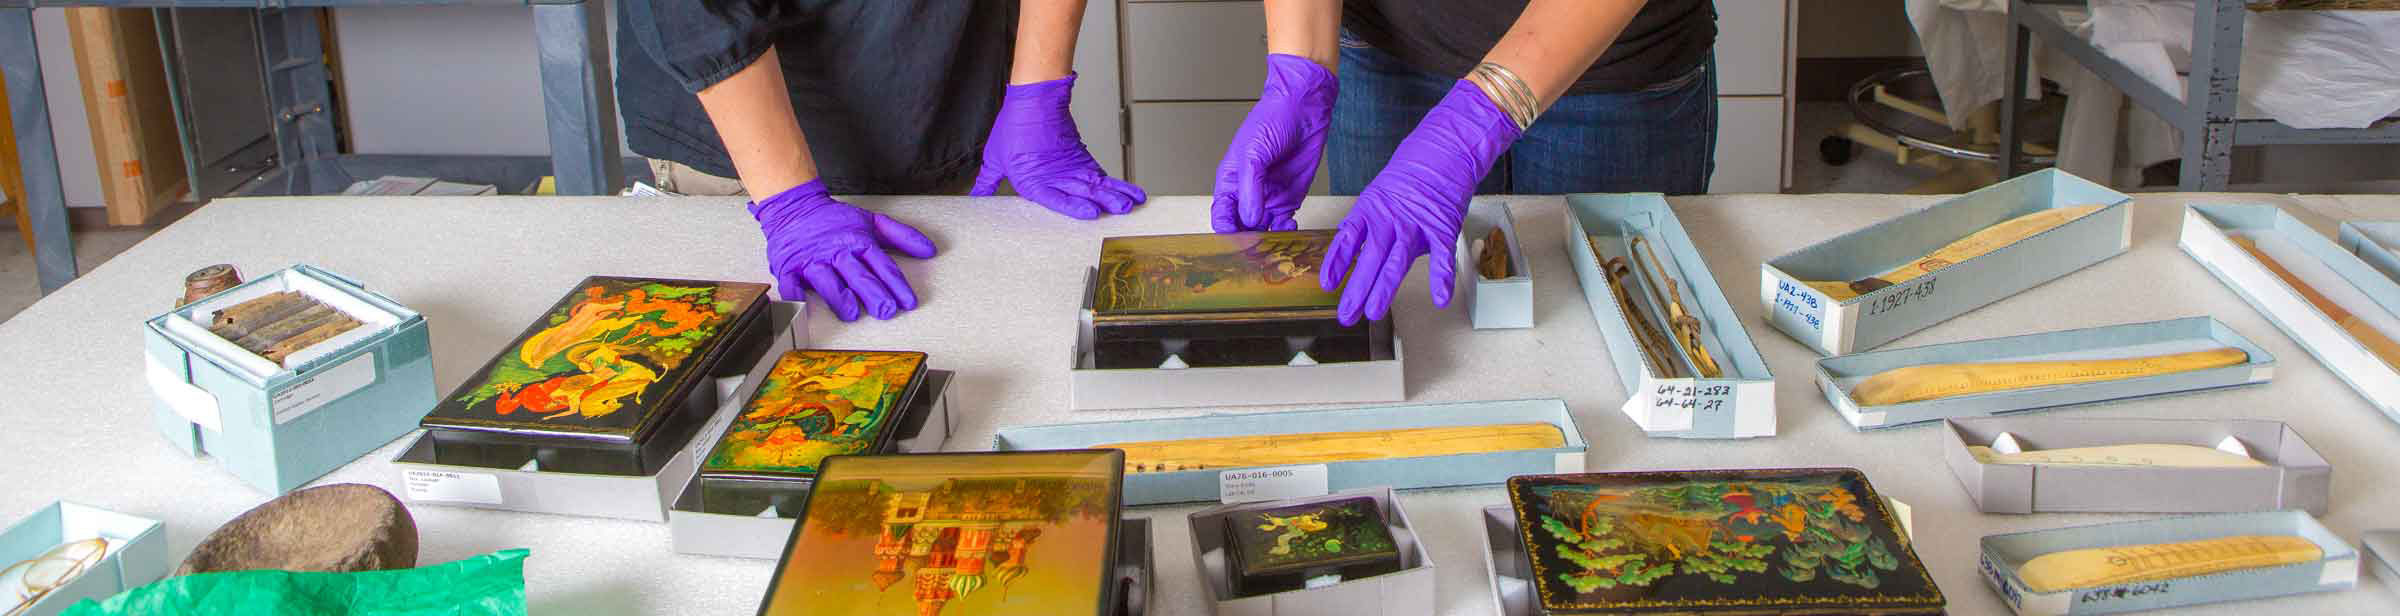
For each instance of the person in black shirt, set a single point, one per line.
(801, 99)
(1439, 100)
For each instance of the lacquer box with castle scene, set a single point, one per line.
(1214, 300)
(813, 404)
(613, 379)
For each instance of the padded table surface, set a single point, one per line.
(998, 308)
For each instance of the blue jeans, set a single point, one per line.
(1659, 139)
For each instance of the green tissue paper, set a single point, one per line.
(492, 584)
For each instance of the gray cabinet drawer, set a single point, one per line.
(1176, 146)
(1750, 45)
(1194, 50)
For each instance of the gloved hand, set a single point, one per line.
(817, 243)
(1035, 147)
(1274, 155)
(1414, 206)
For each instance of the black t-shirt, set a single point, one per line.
(1667, 39)
(895, 96)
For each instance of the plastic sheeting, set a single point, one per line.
(488, 585)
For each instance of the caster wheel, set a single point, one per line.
(1836, 151)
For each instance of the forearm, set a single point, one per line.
(1046, 32)
(1555, 41)
(1306, 28)
(752, 111)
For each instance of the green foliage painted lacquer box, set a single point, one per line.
(1279, 549)
(1732, 541)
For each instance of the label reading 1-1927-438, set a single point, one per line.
(1919, 290)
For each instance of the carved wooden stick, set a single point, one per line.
(2376, 342)
(2159, 561)
(1974, 245)
(1314, 447)
(1934, 381)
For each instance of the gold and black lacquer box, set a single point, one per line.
(1032, 533)
(613, 379)
(1222, 299)
(1749, 541)
(812, 405)
(1293, 547)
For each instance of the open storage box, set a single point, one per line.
(2371, 299)
(1159, 487)
(1377, 380)
(922, 429)
(629, 497)
(2373, 242)
(1739, 403)
(1839, 327)
(2004, 554)
(2383, 557)
(1505, 303)
(137, 551)
(1837, 376)
(2295, 475)
(1407, 592)
(279, 425)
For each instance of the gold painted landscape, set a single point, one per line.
(1200, 273)
(815, 404)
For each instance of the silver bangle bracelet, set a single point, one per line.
(1509, 93)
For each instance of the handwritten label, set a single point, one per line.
(1918, 290)
(450, 487)
(1801, 302)
(324, 387)
(1271, 483)
(2120, 593)
(1694, 398)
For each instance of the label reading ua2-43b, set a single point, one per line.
(1801, 303)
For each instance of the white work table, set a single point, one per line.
(998, 308)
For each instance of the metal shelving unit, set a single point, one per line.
(571, 36)
(2204, 115)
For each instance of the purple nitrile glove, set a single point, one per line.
(1035, 147)
(1414, 206)
(1274, 155)
(817, 243)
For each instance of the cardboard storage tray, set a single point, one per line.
(1152, 488)
(1740, 403)
(1408, 592)
(2002, 554)
(2296, 476)
(1377, 380)
(629, 497)
(1838, 327)
(2371, 298)
(1836, 376)
(923, 429)
(1494, 304)
(2383, 556)
(137, 552)
(2373, 242)
(278, 426)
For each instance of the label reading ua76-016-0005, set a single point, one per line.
(1243, 485)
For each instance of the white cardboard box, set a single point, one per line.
(2344, 278)
(1494, 304)
(1408, 592)
(643, 498)
(1740, 402)
(1140, 388)
(137, 551)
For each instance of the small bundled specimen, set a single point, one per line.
(2125, 564)
(1491, 260)
(1280, 549)
(1321, 447)
(278, 324)
(1935, 381)
(1974, 245)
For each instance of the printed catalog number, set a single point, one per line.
(1923, 290)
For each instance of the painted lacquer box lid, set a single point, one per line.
(1270, 274)
(958, 534)
(1300, 538)
(1742, 541)
(814, 404)
(606, 362)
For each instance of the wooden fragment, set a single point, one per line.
(339, 528)
(2376, 342)
(2124, 564)
(259, 340)
(1316, 447)
(314, 335)
(1973, 245)
(1936, 381)
(253, 309)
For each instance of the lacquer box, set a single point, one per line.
(136, 554)
(1291, 547)
(277, 424)
(1217, 300)
(1767, 541)
(612, 380)
(990, 534)
(811, 405)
